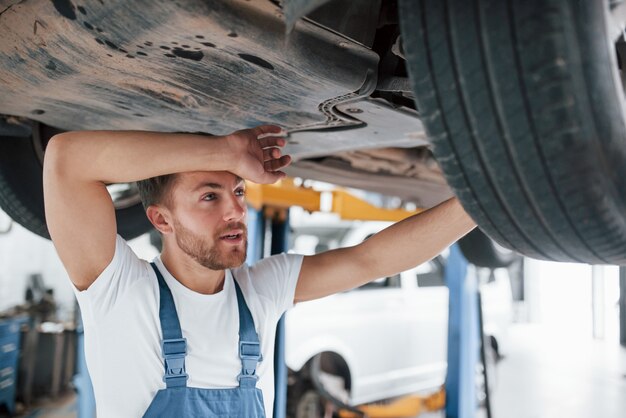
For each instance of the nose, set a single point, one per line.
(235, 209)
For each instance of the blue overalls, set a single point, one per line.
(178, 400)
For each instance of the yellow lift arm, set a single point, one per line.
(407, 407)
(285, 194)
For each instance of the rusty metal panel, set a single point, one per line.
(192, 65)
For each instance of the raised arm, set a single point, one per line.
(399, 247)
(78, 165)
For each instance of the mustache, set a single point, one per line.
(232, 226)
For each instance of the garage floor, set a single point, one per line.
(550, 374)
(546, 374)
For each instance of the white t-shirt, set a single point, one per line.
(122, 330)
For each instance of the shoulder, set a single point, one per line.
(280, 264)
(125, 262)
(273, 278)
(124, 271)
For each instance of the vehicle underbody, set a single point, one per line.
(216, 67)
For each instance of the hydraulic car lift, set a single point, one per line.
(272, 202)
(269, 210)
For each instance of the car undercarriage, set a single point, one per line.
(417, 100)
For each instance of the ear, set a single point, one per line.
(160, 218)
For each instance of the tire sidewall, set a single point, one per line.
(21, 189)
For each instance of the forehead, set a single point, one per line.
(193, 180)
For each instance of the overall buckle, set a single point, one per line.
(174, 352)
(250, 355)
(174, 346)
(175, 366)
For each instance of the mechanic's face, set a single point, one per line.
(209, 218)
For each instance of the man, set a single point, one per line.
(179, 336)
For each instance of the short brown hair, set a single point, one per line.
(156, 190)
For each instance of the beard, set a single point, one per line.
(212, 256)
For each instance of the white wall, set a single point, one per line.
(559, 295)
(23, 253)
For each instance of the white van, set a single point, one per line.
(382, 340)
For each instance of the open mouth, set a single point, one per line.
(233, 236)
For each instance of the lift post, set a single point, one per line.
(463, 337)
(85, 399)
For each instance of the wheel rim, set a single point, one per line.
(123, 195)
(309, 406)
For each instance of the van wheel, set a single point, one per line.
(524, 104)
(303, 401)
(310, 405)
(21, 187)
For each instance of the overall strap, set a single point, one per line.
(249, 346)
(173, 346)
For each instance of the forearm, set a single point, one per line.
(415, 240)
(400, 247)
(125, 156)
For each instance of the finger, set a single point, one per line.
(267, 129)
(271, 153)
(277, 164)
(272, 141)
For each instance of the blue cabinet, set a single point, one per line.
(9, 354)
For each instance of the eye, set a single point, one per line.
(208, 197)
(240, 192)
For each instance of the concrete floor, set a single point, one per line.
(546, 374)
(549, 374)
(63, 407)
(552, 374)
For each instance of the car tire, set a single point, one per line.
(21, 189)
(309, 405)
(482, 251)
(523, 102)
(303, 401)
